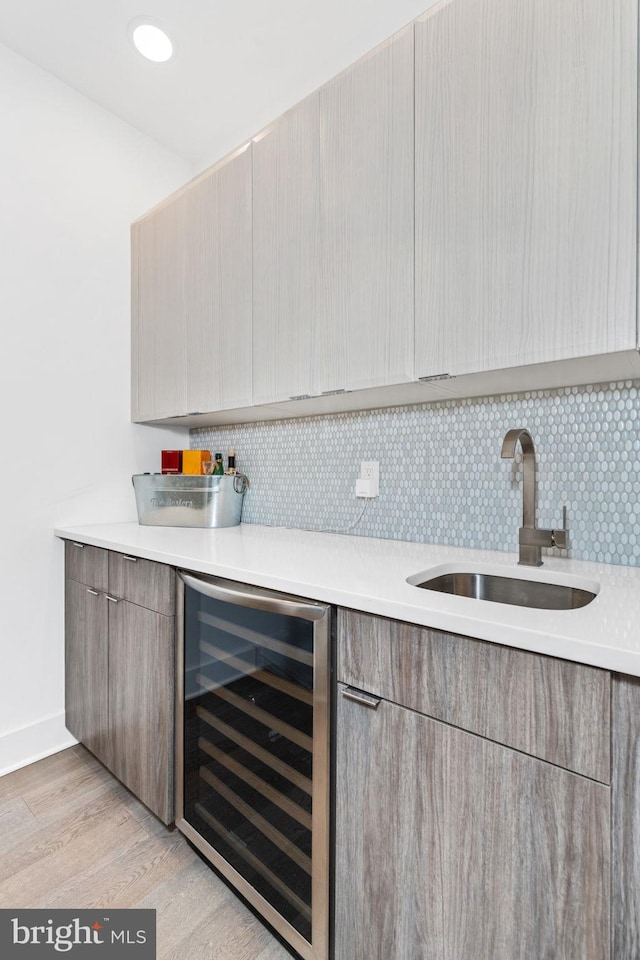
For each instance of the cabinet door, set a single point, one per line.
(141, 691)
(286, 195)
(218, 287)
(625, 819)
(461, 847)
(191, 297)
(158, 312)
(364, 336)
(525, 182)
(144, 582)
(86, 668)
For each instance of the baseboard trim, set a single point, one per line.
(19, 748)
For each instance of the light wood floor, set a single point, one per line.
(72, 836)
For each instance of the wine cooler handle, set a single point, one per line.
(359, 696)
(255, 597)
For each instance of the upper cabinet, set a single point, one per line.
(191, 310)
(286, 192)
(460, 204)
(158, 304)
(218, 290)
(333, 234)
(364, 333)
(525, 182)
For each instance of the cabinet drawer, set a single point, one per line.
(549, 708)
(88, 565)
(145, 582)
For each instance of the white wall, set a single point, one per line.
(279, 61)
(72, 178)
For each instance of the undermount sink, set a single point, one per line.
(497, 588)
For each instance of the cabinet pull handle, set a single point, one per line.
(358, 696)
(112, 599)
(94, 593)
(80, 546)
(436, 376)
(125, 556)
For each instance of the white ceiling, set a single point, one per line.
(239, 63)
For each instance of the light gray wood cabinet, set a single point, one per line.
(525, 182)
(464, 845)
(286, 196)
(333, 234)
(158, 312)
(218, 287)
(459, 203)
(191, 297)
(119, 668)
(364, 333)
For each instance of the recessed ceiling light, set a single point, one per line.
(151, 41)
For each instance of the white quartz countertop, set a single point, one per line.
(370, 575)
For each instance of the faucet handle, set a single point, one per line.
(559, 537)
(539, 537)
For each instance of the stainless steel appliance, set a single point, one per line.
(252, 748)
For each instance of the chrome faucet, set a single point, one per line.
(530, 538)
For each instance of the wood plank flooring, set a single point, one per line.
(72, 836)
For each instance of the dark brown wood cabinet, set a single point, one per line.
(625, 818)
(119, 668)
(86, 667)
(141, 671)
(143, 582)
(487, 799)
(451, 844)
(550, 708)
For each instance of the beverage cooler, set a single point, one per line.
(252, 748)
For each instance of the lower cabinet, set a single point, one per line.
(462, 847)
(141, 676)
(487, 799)
(87, 667)
(452, 845)
(119, 669)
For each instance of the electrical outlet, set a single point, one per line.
(370, 470)
(368, 483)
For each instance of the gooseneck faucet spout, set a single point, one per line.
(530, 538)
(529, 473)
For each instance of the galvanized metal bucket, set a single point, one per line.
(189, 501)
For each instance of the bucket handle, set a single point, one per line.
(240, 482)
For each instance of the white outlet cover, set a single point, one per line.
(368, 485)
(370, 469)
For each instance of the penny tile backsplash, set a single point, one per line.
(441, 476)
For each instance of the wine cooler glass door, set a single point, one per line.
(253, 771)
